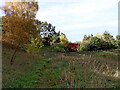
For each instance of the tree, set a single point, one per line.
(46, 32)
(34, 46)
(19, 23)
(96, 43)
(85, 38)
(1, 29)
(55, 39)
(88, 37)
(83, 47)
(63, 39)
(59, 42)
(109, 38)
(91, 35)
(26, 9)
(98, 35)
(118, 37)
(117, 41)
(0, 20)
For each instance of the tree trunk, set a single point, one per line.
(12, 59)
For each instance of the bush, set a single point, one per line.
(34, 46)
(84, 47)
(96, 42)
(105, 45)
(29, 48)
(73, 46)
(59, 48)
(117, 44)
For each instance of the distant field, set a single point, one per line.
(71, 70)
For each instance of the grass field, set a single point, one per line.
(85, 70)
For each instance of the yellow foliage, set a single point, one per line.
(19, 22)
(98, 35)
(63, 39)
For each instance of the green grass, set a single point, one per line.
(55, 72)
(40, 75)
(106, 53)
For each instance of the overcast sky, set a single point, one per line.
(76, 18)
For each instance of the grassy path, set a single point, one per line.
(41, 75)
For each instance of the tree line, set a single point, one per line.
(100, 42)
(24, 31)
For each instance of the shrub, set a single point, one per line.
(73, 46)
(105, 45)
(117, 44)
(34, 46)
(84, 47)
(59, 48)
(96, 42)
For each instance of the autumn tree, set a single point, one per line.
(98, 35)
(1, 29)
(63, 39)
(19, 23)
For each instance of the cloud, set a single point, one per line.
(78, 15)
(88, 25)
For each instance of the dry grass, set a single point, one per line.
(61, 71)
(103, 68)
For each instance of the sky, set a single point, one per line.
(75, 18)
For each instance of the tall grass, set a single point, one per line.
(72, 70)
